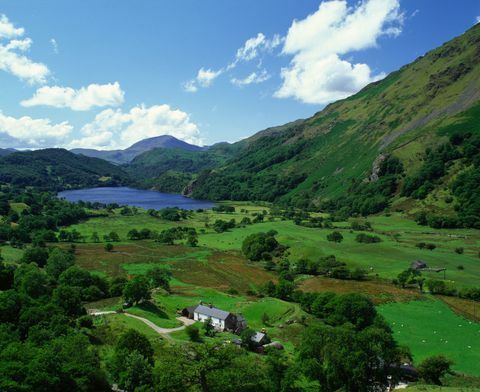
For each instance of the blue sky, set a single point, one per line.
(105, 74)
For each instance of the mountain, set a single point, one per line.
(6, 151)
(338, 153)
(57, 169)
(125, 156)
(171, 169)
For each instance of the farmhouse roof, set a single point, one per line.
(417, 264)
(212, 312)
(258, 337)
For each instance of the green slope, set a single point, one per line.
(333, 152)
(170, 170)
(57, 169)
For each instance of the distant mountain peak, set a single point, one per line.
(128, 154)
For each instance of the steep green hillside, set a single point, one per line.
(57, 169)
(334, 153)
(170, 170)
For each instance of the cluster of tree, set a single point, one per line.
(127, 210)
(412, 277)
(58, 169)
(172, 214)
(224, 208)
(139, 288)
(262, 246)
(462, 145)
(40, 219)
(143, 234)
(366, 198)
(425, 245)
(367, 239)
(221, 226)
(43, 342)
(169, 236)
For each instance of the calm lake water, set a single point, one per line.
(134, 197)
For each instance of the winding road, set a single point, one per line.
(162, 331)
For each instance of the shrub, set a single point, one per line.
(335, 236)
(459, 250)
(367, 239)
(434, 368)
(193, 333)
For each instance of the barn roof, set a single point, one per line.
(212, 312)
(257, 338)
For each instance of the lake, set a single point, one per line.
(134, 197)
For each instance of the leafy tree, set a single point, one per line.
(208, 328)
(192, 239)
(159, 277)
(246, 337)
(434, 368)
(37, 255)
(342, 358)
(108, 247)
(95, 237)
(335, 236)
(135, 374)
(58, 261)
(69, 299)
(256, 245)
(193, 333)
(132, 340)
(137, 290)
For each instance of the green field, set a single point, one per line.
(429, 327)
(387, 259)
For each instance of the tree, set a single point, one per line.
(58, 261)
(255, 245)
(114, 237)
(95, 238)
(351, 308)
(193, 333)
(246, 336)
(37, 255)
(335, 236)
(208, 328)
(434, 368)
(136, 290)
(69, 299)
(135, 374)
(108, 247)
(192, 239)
(159, 277)
(132, 361)
(342, 358)
(132, 340)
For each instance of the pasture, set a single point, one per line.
(430, 327)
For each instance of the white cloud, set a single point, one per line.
(255, 45)
(85, 98)
(54, 43)
(252, 48)
(205, 77)
(478, 19)
(28, 132)
(11, 58)
(317, 74)
(253, 78)
(118, 129)
(190, 86)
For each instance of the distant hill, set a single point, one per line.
(6, 151)
(58, 169)
(127, 155)
(379, 148)
(171, 169)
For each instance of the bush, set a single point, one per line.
(459, 250)
(434, 368)
(193, 333)
(367, 239)
(335, 236)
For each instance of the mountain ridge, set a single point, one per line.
(128, 154)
